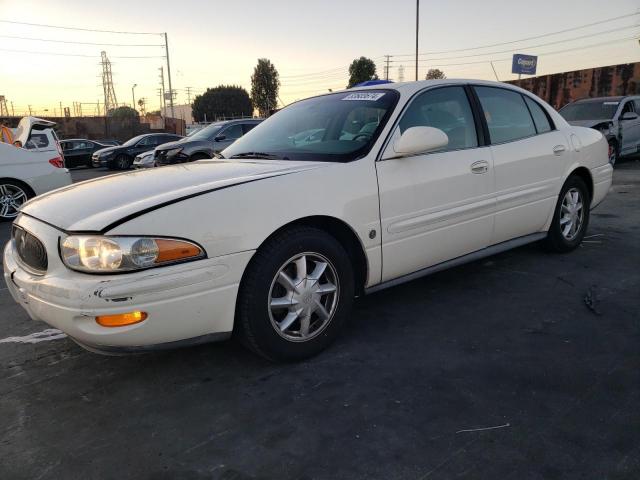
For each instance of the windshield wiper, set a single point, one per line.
(263, 155)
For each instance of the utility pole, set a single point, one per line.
(417, 29)
(61, 110)
(133, 95)
(29, 110)
(386, 67)
(13, 113)
(188, 95)
(166, 46)
(163, 103)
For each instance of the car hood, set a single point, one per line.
(96, 204)
(185, 142)
(104, 150)
(588, 123)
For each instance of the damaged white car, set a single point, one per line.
(274, 241)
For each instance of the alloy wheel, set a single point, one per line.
(303, 297)
(11, 199)
(572, 214)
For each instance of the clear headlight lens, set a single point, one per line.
(102, 254)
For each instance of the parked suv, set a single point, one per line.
(618, 118)
(204, 143)
(121, 157)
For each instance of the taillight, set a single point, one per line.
(57, 162)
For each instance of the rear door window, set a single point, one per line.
(506, 113)
(540, 118)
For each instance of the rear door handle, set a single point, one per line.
(480, 167)
(559, 149)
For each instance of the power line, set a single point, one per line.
(430, 63)
(73, 54)
(525, 39)
(81, 43)
(581, 37)
(78, 28)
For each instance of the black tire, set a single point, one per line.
(199, 156)
(12, 195)
(614, 153)
(556, 241)
(254, 324)
(122, 162)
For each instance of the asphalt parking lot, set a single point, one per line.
(525, 365)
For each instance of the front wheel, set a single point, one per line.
(123, 162)
(571, 216)
(12, 196)
(295, 295)
(613, 153)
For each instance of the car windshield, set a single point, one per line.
(206, 133)
(132, 141)
(594, 110)
(338, 127)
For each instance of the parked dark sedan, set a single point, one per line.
(121, 157)
(204, 143)
(78, 151)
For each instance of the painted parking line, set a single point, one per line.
(36, 337)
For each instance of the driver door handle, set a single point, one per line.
(480, 167)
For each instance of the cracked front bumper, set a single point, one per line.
(185, 303)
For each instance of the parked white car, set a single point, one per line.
(274, 242)
(32, 166)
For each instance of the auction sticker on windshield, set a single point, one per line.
(371, 97)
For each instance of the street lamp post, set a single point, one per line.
(133, 95)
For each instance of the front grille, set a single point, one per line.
(30, 250)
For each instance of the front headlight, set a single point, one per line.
(173, 152)
(102, 254)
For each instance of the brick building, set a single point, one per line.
(559, 89)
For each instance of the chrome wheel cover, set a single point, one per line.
(303, 297)
(11, 199)
(571, 214)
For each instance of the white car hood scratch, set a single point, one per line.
(99, 203)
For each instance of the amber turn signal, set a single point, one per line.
(121, 319)
(172, 250)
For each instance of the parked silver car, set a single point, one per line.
(618, 118)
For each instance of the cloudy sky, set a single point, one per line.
(311, 43)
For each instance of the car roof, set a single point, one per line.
(78, 140)
(600, 99)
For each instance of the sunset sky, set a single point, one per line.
(310, 43)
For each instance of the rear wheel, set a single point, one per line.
(571, 216)
(123, 162)
(295, 295)
(12, 196)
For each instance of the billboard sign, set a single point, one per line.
(524, 64)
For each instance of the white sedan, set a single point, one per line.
(32, 166)
(273, 242)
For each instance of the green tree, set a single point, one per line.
(222, 101)
(435, 74)
(265, 83)
(123, 112)
(361, 70)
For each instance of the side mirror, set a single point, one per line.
(417, 140)
(629, 116)
(220, 138)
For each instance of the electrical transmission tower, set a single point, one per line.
(4, 111)
(110, 100)
(401, 73)
(189, 94)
